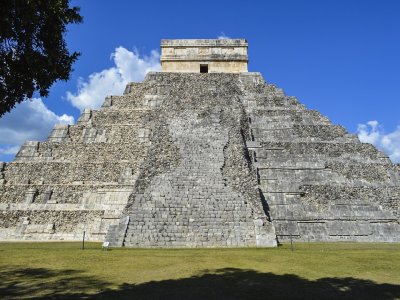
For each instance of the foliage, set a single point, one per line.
(33, 52)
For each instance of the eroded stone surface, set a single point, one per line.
(216, 55)
(200, 160)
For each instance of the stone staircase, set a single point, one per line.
(192, 205)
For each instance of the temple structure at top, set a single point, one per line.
(204, 56)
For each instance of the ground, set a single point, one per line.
(310, 271)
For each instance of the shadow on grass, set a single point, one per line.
(45, 283)
(212, 284)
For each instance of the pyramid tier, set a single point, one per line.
(200, 160)
(320, 182)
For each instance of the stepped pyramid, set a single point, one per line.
(202, 154)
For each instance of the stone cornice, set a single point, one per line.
(204, 43)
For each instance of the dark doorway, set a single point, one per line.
(203, 68)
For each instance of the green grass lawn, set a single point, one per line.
(311, 271)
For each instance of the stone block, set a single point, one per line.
(28, 150)
(85, 116)
(47, 196)
(59, 133)
(179, 161)
(30, 195)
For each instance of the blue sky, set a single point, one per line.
(339, 57)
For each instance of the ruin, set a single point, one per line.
(204, 56)
(200, 157)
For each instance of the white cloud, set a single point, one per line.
(129, 66)
(32, 120)
(374, 134)
(9, 150)
(223, 36)
(29, 120)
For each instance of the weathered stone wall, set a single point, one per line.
(221, 56)
(200, 160)
(67, 172)
(213, 66)
(88, 167)
(320, 182)
(64, 221)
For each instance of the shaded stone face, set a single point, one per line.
(204, 56)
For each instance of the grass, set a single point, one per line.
(311, 271)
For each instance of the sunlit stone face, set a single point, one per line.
(204, 56)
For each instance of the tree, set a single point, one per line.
(33, 52)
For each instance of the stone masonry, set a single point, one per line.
(218, 56)
(200, 160)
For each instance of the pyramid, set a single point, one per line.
(202, 154)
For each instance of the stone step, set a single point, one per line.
(67, 172)
(330, 149)
(89, 152)
(337, 230)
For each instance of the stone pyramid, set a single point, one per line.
(212, 159)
